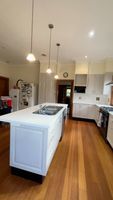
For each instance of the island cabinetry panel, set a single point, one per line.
(32, 148)
(97, 109)
(110, 131)
(28, 148)
(54, 137)
(81, 110)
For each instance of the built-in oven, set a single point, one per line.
(104, 118)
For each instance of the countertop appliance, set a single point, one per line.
(104, 118)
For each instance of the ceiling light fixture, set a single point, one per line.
(49, 71)
(91, 34)
(56, 75)
(30, 57)
(85, 57)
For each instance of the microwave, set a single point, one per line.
(80, 89)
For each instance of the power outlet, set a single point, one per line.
(97, 98)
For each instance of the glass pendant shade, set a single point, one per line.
(49, 71)
(30, 57)
(56, 76)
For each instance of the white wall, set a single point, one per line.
(81, 67)
(85, 67)
(90, 98)
(4, 70)
(27, 72)
(109, 65)
(69, 68)
(96, 67)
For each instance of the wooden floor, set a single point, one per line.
(82, 168)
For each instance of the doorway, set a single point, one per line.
(65, 93)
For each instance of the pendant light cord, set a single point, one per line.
(50, 49)
(32, 25)
(58, 45)
(57, 59)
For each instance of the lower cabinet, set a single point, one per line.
(81, 110)
(32, 148)
(110, 131)
(96, 116)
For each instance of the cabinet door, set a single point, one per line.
(107, 79)
(83, 109)
(91, 111)
(27, 149)
(96, 113)
(110, 131)
(54, 137)
(76, 110)
(46, 88)
(80, 110)
(80, 79)
(95, 84)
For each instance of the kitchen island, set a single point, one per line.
(34, 138)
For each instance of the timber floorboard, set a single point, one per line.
(82, 168)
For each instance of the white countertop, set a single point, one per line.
(89, 103)
(103, 105)
(76, 102)
(111, 113)
(27, 117)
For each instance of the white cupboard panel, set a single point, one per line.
(81, 110)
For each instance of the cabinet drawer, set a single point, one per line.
(110, 136)
(110, 122)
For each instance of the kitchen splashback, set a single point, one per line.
(91, 99)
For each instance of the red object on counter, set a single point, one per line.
(6, 100)
(9, 103)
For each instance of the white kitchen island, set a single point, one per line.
(34, 138)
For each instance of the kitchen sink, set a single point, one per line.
(48, 110)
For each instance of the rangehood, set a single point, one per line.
(110, 83)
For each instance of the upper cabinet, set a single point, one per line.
(81, 71)
(95, 84)
(107, 88)
(80, 79)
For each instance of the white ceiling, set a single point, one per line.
(72, 20)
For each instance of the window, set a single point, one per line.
(68, 92)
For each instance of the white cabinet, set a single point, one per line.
(54, 137)
(95, 84)
(80, 79)
(47, 88)
(107, 79)
(110, 130)
(81, 110)
(96, 116)
(32, 148)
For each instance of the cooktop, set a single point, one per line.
(107, 108)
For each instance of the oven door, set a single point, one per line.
(104, 124)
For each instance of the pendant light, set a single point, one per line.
(49, 64)
(56, 75)
(30, 57)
